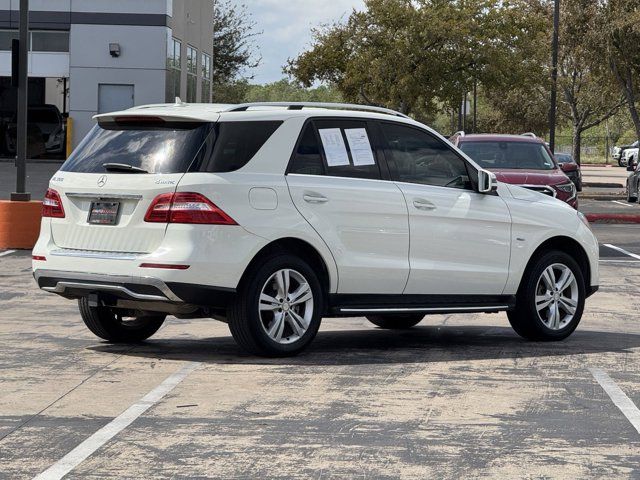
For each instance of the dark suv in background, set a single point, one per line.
(523, 160)
(571, 168)
(45, 132)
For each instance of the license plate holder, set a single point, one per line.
(103, 213)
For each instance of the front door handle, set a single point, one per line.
(314, 198)
(422, 204)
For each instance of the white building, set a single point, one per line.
(109, 55)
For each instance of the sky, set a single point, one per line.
(286, 27)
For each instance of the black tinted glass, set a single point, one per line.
(236, 143)
(162, 147)
(518, 155)
(564, 158)
(415, 156)
(307, 159)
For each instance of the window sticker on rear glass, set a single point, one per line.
(334, 147)
(360, 147)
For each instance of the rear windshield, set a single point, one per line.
(171, 147)
(518, 155)
(162, 147)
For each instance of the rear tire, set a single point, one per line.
(550, 301)
(115, 326)
(277, 311)
(395, 322)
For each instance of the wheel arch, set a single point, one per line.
(298, 247)
(567, 245)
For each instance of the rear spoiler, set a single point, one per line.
(149, 117)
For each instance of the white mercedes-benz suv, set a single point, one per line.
(271, 216)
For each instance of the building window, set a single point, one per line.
(39, 41)
(174, 62)
(206, 78)
(5, 39)
(50, 41)
(192, 74)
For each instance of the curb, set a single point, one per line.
(603, 197)
(612, 218)
(602, 185)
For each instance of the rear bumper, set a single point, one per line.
(126, 287)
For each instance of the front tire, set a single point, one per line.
(118, 326)
(550, 301)
(395, 322)
(277, 311)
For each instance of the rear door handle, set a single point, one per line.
(314, 198)
(422, 204)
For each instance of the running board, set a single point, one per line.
(341, 304)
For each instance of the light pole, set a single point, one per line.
(21, 128)
(554, 76)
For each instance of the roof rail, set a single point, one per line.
(300, 105)
(529, 134)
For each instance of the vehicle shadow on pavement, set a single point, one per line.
(426, 344)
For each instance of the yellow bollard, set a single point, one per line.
(69, 142)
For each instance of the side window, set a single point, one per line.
(236, 143)
(347, 149)
(415, 156)
(308, 159)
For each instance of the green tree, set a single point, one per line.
(288, 91)
(421, 56)
(588, 95)
(234, 50)
(622, 33)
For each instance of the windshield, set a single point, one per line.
(162, 147)
(564, 158)
(506, 154)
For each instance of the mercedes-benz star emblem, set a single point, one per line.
(102, 181)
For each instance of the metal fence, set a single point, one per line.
(592, 148)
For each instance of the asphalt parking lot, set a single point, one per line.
(458, 396)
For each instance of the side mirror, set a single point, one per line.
(487, 181)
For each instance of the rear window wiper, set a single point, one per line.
(123, 167)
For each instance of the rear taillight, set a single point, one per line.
(52, 205)
(186, 207)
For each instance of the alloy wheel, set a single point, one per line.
(557, 296)
(286, 306)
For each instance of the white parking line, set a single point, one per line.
(618, 397)
(622, 250)
(7, 252)
(622, 203)
(76, 456)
